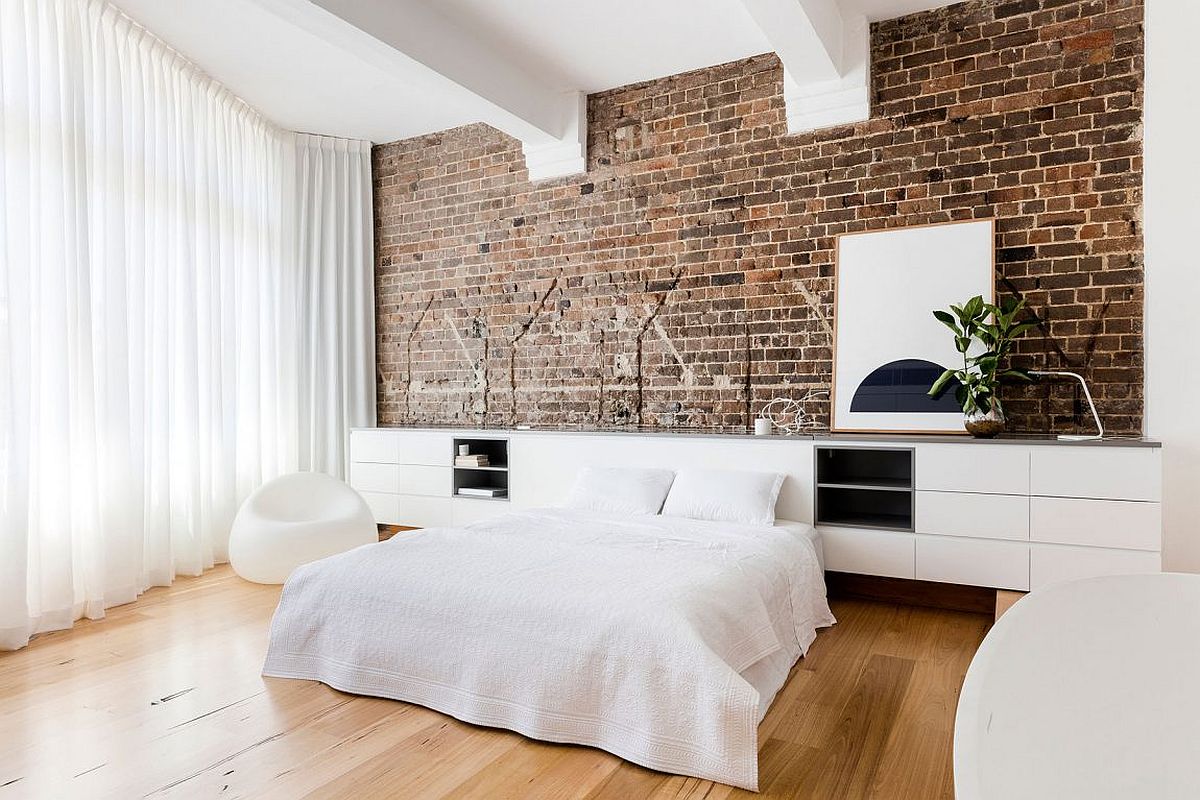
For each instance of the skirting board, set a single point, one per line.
(903, 591)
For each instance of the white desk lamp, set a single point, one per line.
(1067, 437)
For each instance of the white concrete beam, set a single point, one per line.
(826, 60)
(400, 34)
(806, 34)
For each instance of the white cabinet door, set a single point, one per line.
(869, 552)
(428, 481)
(433, 449)
(975, 562)
(981, 516)
(424, 512)
(970, 467)
(1097, 471)
(1051, 563)
(379, 446)
(464, 511)
(375, 477)
(384, 507)
(1098, 523)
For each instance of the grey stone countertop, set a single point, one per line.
(819, 436)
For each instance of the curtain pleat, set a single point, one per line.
(186, 311)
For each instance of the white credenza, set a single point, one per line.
(408, 477)
(1017, 514)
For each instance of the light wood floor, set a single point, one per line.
(164, 699)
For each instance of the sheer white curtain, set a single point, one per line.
(331, 214)
(185, 310)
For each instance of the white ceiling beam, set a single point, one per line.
(805, 34)
(826, 60)
(396, 34)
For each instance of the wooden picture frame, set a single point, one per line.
(897, 277)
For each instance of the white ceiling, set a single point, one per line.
(309, 70)
(597, 46)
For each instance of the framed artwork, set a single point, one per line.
(888, 349)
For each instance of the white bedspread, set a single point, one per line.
(659, 639)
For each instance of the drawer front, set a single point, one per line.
(982, 516)
(375, 477)
(968, 467)
(380, 447)
(1106, 473)
(868, 552)
(428, 481)
(975, 562)
(433, 449)
(1051, 563)
(1096, 523)
(464, 511)
(424, 512)
(384, 507)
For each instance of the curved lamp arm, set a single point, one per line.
(1065, 436)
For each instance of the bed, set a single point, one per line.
(660, 639)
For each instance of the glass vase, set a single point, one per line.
(985, 425)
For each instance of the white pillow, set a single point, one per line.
(620, 490)
(724, 495)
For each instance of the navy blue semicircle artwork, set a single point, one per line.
(902, 387)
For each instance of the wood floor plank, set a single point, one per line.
(164, 698)
(539, 771)
(810, 716)
(918, 759)
(849, 758)
(429, 764)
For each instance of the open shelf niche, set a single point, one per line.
(493, 476)
(862, 487)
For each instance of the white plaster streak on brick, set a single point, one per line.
(516, 340)
(408, 376)
(688, 378)
(652, 314)
(478, 367)
(814, 303)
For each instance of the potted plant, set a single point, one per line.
(983, 334)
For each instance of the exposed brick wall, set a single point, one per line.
(686, 278)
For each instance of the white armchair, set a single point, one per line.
(296, 519)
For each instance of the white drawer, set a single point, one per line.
(1096, 523)
(430, 481)
(981, 516)
(424, 512)
(975, 562)
(434, 449)
(1051, 563)
(969, 467)
(375, 477)
(381, 447)
(384, 507)
(868, 552)
(1106, 473)
(464, 511)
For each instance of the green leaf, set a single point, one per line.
(1019, 330)
(939, 386)
(1011, 305)
(975, 307)
(948, 320)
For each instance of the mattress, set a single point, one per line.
(662, 640)
(808, 532)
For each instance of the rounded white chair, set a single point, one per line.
(1086, 689)
(296, 519)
